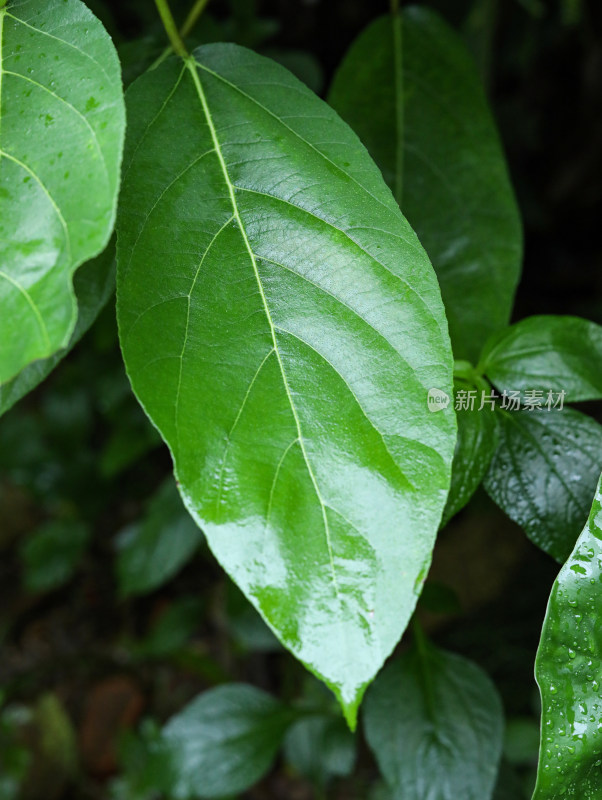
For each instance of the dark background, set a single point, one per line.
(542, 65)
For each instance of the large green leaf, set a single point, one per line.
(222, 743)
(568, 673)
(547, 354)
(282, 326)
(475, 447)
(435, 723)
(544, 473)
(409, 88)
(93, 283)
(62, 122)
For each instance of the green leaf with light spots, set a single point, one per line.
(568, 673)
(62, 123)
(282, 327)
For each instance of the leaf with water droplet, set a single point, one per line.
(544, 474)
(568, 661)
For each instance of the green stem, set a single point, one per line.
(192, 18)
(394, 7)
(171, 28)
(3, 3)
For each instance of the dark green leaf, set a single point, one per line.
(172, 631)
(321, 748)
(411, 91)
(547, 354)
(93, 285)
(63, 122)
(476, 444)
(435, 723)
(568, 673)
(282, 326)
(152, 551)
(544, 473)
(51, 554)
(223, 742)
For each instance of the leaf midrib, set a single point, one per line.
(193, 69)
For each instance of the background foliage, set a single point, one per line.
(114, 618)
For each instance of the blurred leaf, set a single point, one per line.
(15, 758)
(155, 549)
(549, 354)
(521, 741)
(434, 723)
(172, 631)
(142, 770)
(132, 436)
(223, 742)
(320, 748)
(246, 625)
(567, 669)
(51, 554)
(410, 90)
(544, 474)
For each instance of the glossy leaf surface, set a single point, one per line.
(411, 91)
(568, 673)
(476, 444)
(152, 551)
(544, 474)
(62, 123)
(223, 742)
(434, 722)
(282, 326)
(93, 284)
(548, 353)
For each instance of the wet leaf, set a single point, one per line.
(568, 673)
(544, 473)
(93, 284)
(557, 354)
(63, 123)
(282, 326)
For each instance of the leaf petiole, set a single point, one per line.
(171, 28)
